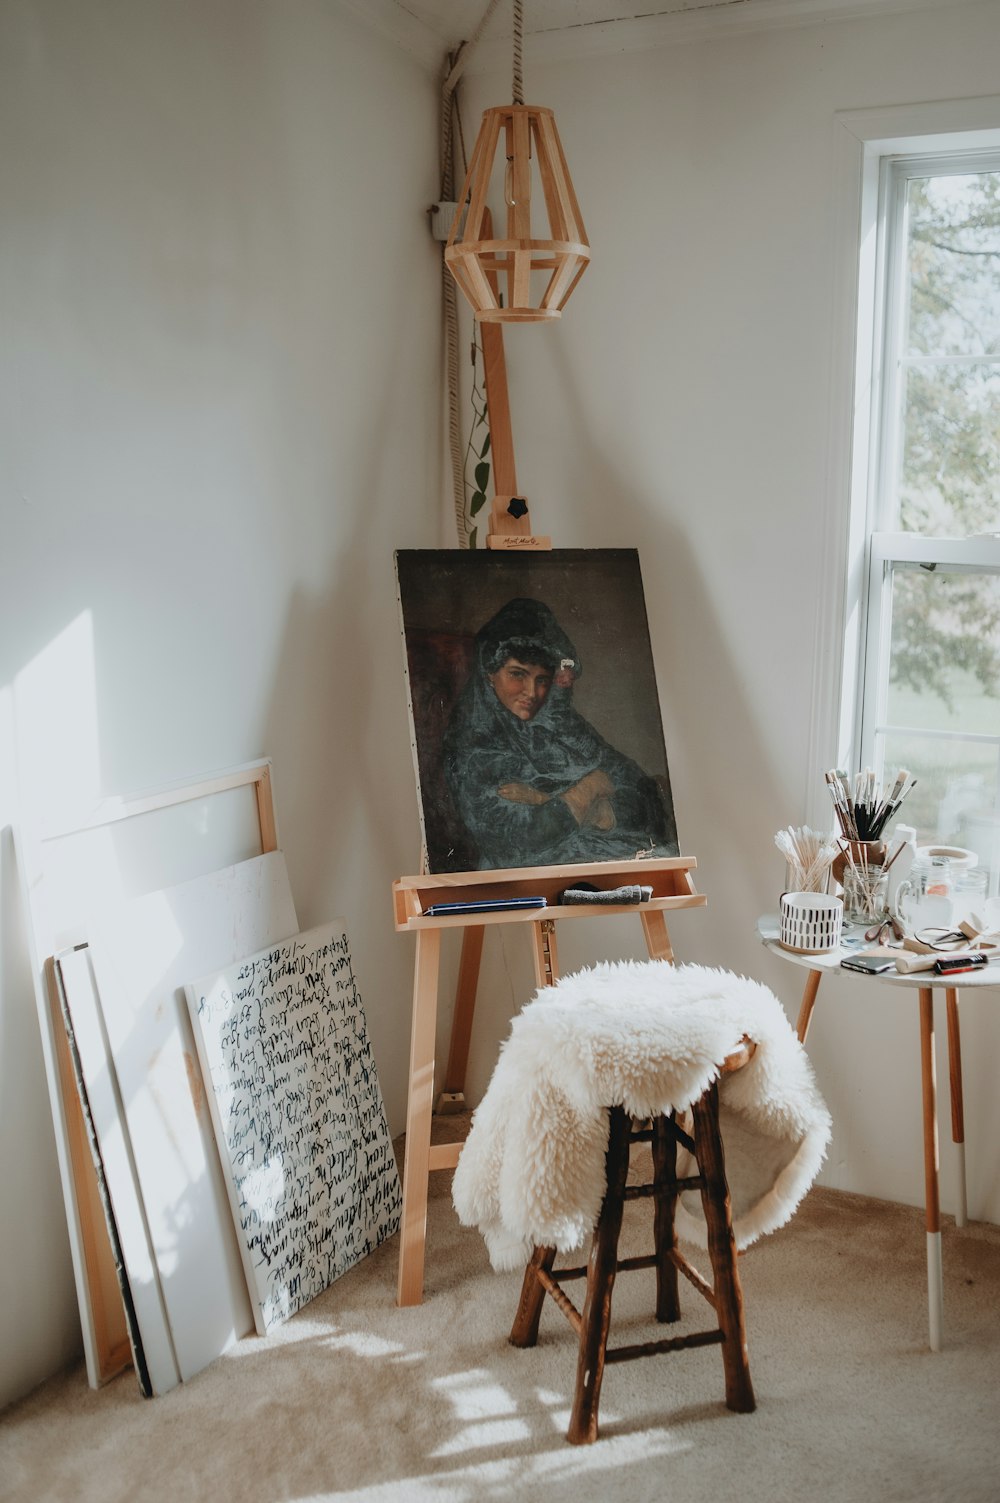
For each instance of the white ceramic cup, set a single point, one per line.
(811, 922)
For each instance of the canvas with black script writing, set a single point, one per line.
(298, 1116)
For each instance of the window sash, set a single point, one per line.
(892, 359)
(887, 549)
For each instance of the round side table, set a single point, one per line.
(924, 983)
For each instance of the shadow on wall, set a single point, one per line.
(336, 729)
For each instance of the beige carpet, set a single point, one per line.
(356, 1399)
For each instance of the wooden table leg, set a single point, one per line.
(935, 1279)
(957, 1103)
(419, 1107)
(808, 1003)
(452, 1097)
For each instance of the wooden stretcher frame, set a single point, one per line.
(102, 1319)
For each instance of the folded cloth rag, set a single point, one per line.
(631, 893)
(648, 1036)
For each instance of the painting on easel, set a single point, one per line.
(533, 708)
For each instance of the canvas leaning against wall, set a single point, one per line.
(533, 707)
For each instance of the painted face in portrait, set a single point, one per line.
(522, 688)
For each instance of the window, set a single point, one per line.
(929, 679)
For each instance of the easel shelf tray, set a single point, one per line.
(669, 877)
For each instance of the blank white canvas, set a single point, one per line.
(143, 953)
(111, 1131)
(299, 1116)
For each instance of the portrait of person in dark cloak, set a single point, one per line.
(532, 780)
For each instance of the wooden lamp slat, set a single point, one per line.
(547, 124)
(557, 199)
(477, 186)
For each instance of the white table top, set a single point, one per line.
(768, 930)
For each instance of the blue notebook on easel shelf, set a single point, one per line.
(484, 905)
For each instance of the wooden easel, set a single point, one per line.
(669, 877)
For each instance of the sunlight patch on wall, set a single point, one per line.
(56, 751)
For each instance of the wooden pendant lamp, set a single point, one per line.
(497, 276)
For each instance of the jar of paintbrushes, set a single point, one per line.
(863, 808)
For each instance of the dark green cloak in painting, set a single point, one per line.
(546, 791)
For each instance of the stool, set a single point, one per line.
(724, 1294)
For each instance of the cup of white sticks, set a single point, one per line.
(809, 856)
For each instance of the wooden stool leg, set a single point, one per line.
(668, 1304)
(600, 1283)
(524, 1331)
(722, 1251)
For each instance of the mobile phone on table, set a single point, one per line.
(869, 965)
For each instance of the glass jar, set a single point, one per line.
(865, 896)
(941, 892)
(968, 894)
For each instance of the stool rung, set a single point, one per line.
(564, 1302)
(628, 1265)
(625, 1265)
(645, 1135)
(674, 1186)
(693, 1276)
(671, 1344)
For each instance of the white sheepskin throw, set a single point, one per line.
(648, 1036)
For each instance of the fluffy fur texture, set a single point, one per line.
(650, 1037)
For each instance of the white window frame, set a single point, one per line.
(890, 549)
(859, 551)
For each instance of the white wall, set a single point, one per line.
(683, 406)
(220, 404)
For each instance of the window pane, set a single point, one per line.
(950, 481)
(955, 801)
(953, 264)
(944, 652)
(944, 676)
